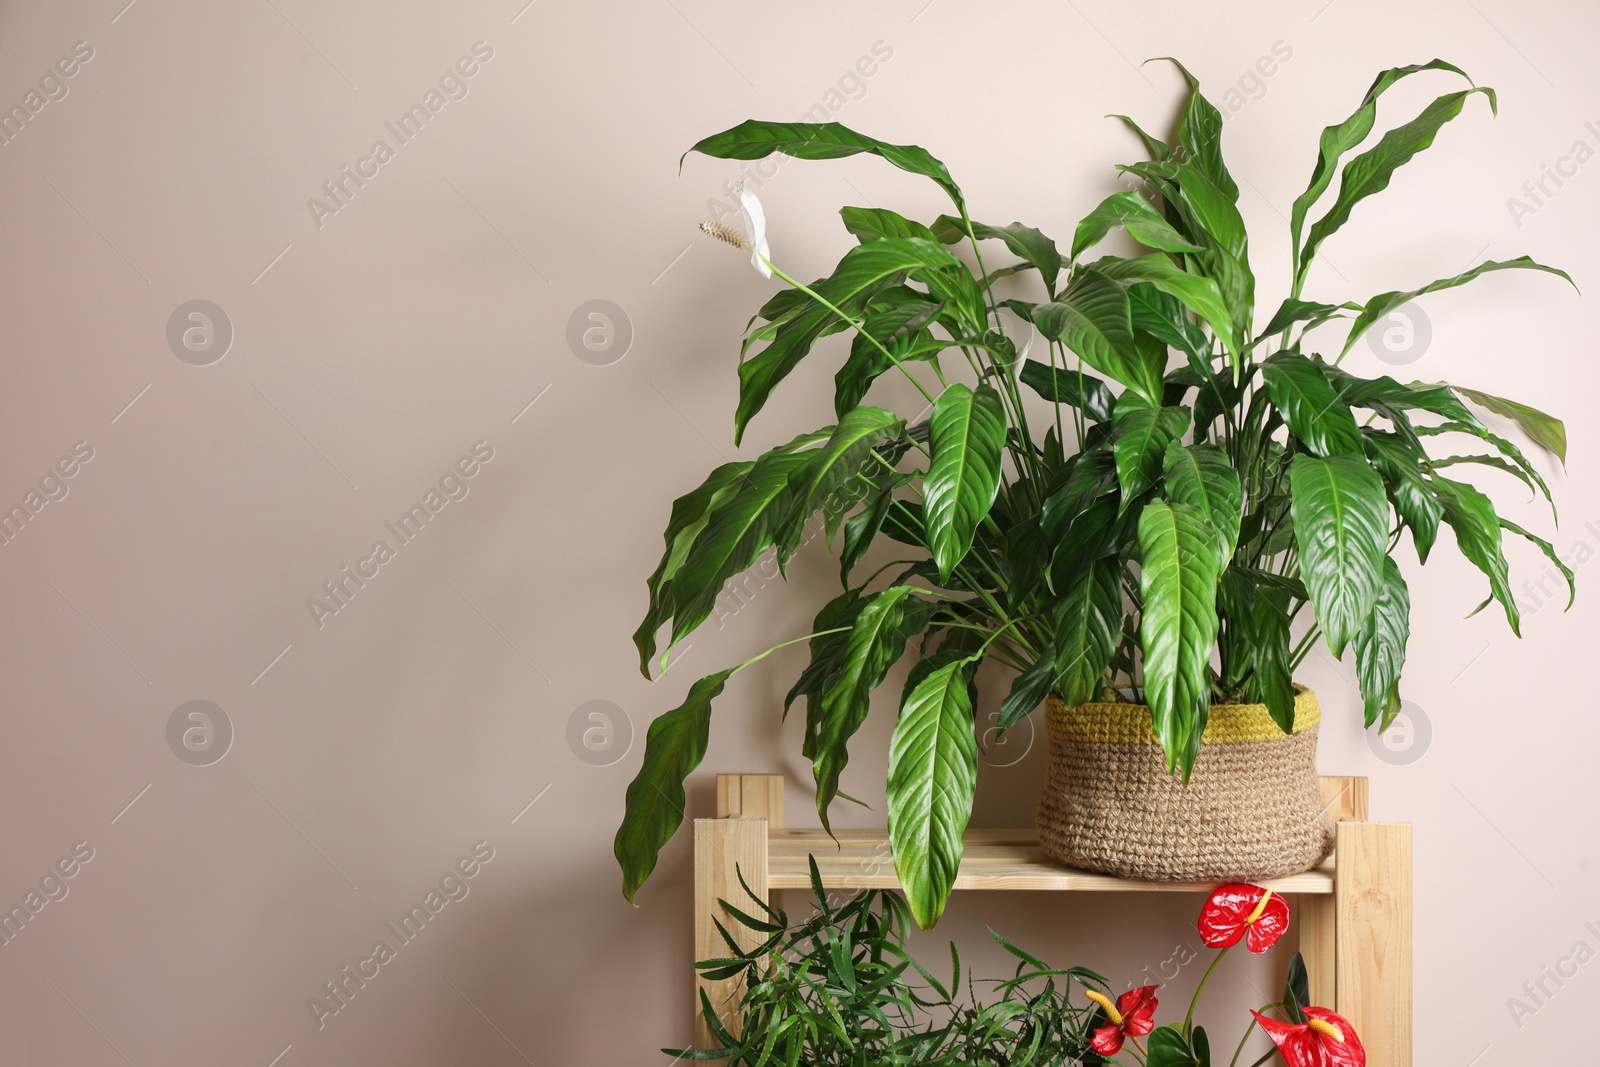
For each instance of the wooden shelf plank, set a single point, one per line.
(992, 859)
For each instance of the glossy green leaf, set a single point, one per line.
(1338, 139)
(876, 640)
(1200, 133)
(1091, 318)
(1028, 691)
(933, 771)
(862, 528)
(876, 223)
(1178, 584)
(838, 473)
(690, 513)
(1547, 431)
(1311, 406)
(832, 629)
(967, 432)
(1472, 518)
(1369, 172)
(1169, 1049)
(1414, 502)
(1024, 241)
(1088, 616)
(902, 330)
(1133, 213)
(1549, 551)
(1075, 388)
(1142, 436)
(653, 810)
(1202, 477)
(864, 271)
(1162, 316)
(754, 139)
(1376, 309)
(1380, 644)
(1296, 989)
(1341, 521)
(1196, 292)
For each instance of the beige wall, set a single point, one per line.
(373, 347)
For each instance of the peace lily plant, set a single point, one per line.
(1196, 479)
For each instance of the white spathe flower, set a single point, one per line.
(755, 225)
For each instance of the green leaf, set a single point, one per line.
(690, 514)
(1381, 642)
(1310, 312)
(1075, 388)
(673, 747)
(1178, 585)
(902, 330)
(1472, 517)
(1196, 292)
(832, 628)
(1091, 318)
(1024, 241)
(1341, 521)
(1414, 502)
(1201, 476)
(754, 139)
(1158, 150)
(1088, 617)
(968, 429)
(876, 640)
(1135, 214)
(1338, 139)
(933, 770)
(1550, 553)
(1546, 431)
(1162, 316)
(833, 485)
(1296, 990)
(1200, 133)
(1169, 1049)
(1370, 172)
(1142, 436)
(1376, 309)
(737, 532)
(876, 223)
(1312, 408)
(861, 529)
(1028, 691)
(863, 272)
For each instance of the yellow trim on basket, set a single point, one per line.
(1229, 724)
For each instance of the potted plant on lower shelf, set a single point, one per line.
(840, 988)
(1120, 486)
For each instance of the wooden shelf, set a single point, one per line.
(992, 859)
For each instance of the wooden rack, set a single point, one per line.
(1352, 915)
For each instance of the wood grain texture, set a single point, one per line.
(1345, 799)
(1373, 898)
(723, 850)
(751, 796)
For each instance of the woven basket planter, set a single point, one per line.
(1252, 808)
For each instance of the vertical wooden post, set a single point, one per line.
(1345, 799)
(751, 796)
(725, 849)
(1372, 891)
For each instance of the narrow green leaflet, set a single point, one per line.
(1472, 517)
(875, 223)
(1376, 309)
(1142, 436)
(754, 139)
(1025, 241)
(1178, 584)
(1135, 214)
(690, 513)
(673, 746)
(1201, 476)
(1310, 312)
(1076, 388)
(1335, 142)
(1091, 318)
(1370, 172)
(876, 640)
(1381, 643)
(968, 430)
(1400, 465)
(1311, 406)
(1341, 521)
(1088, 617)
(1200, 133)
(864, 271)
(933, 772)
(1547, 431)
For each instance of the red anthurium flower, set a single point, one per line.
(1258, 915)
(1131, 1016)
(1323, 1040)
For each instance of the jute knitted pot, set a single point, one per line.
(1252, 808)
